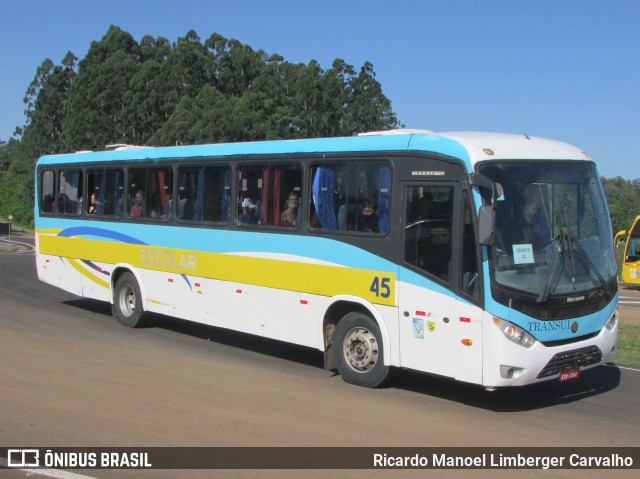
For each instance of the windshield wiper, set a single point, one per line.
(552, 274)
(565, 243)
(587, 264)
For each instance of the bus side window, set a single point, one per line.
(70, 193)
(105, 188)
(351, 197)
(264, 194)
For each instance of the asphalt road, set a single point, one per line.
(72, 376)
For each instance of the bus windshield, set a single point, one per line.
(632, 253)
(552, 232)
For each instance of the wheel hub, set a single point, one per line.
(127, 301)
(361, 349)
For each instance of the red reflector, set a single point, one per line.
(421, 313)
(465, 320)
(170, 280)
(304, 301)
(197, 285)
(239, 291)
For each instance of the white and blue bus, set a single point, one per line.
(483, 257)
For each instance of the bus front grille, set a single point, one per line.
(571, 359)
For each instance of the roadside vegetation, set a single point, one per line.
(628, 348)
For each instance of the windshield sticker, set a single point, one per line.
(523, 254)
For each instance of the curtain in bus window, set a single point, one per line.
(265, 196)
(224, 215)
(323, 187)
(276, 195)
(74, 194)
(241, 192)
(117, 199)
(100, 198)
(70, 192)
(383, 199)
(197, 208)
(163, 192)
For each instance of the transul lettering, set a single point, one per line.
(167, 259)
(549, 326)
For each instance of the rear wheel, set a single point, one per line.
(127, 302)
(359, 352)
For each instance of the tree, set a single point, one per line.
(97, 112)
(367, 107)
(161, 93)
(623, 198)
(45, 100)
(16, 182)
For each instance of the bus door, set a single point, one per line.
(439, 284)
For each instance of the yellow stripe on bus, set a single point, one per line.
(86, 273)
(325, 280)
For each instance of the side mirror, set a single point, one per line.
(486, 222)
(486, 215)
(617, 240)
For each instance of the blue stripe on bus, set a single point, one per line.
(95, 267)
(91, 231)
(231, 241)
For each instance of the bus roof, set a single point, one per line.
(470, 147)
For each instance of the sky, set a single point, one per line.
(567, 70)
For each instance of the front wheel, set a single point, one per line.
(127, 302)
(359, 352)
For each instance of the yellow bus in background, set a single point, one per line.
(631, 263)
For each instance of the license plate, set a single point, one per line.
(570, 374)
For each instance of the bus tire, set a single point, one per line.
(359, 351)
(127, 302)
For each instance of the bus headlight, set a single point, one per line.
(514, 333)
(613, 320)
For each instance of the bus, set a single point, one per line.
(631, 259)
(483, 257)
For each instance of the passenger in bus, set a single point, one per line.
(49, 204)
(289, 216)
(157, 210)
(169, 206)
(248, 215)
(137, 210)
(368, 219)
(92, 204)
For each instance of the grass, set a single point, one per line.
(628, 348)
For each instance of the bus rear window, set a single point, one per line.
(47, 192)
